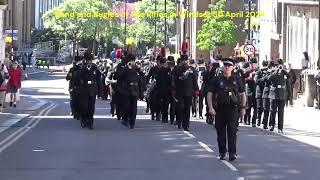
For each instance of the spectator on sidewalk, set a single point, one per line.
(292, 80)
(3, 83)
(14, 83)
(24, 61)
(317, 77)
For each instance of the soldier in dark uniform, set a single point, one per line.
(260, 82)
(74, 87)
(250, 93)
(265, 95)
(292, 80)
(212, 71)
(185, 86)
(120, 88)
(195, 100)
(91, 86)
(132, 75)
(163, 89)
(227, 91)
(278, 93)
(151, 76)
(173, 101)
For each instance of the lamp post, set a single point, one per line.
(125, 23)
(155, 27)
(165, 22)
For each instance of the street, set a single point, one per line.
(48, 144)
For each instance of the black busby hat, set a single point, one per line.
(253, 60)
(265, 63)
(200, 61)
(246, 65)
(191, 61)
(271, 64)
(184, 57)
(170, 58)
(237, 59)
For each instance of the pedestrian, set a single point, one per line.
(14, 83)
(227, 91)
(90, 87)
(184, 87)
(278, 92)
(24, 61)
(4, 76)
(195, 98)
(317, 77)
(292, 80)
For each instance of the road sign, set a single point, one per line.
(249, 49)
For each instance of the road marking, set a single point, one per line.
(240, 178)
(17, 134)
(206, 147)
(230, 166)
(38, 150)
(189, 134)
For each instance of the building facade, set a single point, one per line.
(291, 29)
(41, 7)
(187, 27)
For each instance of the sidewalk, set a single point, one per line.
(25, 107)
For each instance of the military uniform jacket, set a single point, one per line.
(120, 76)
(74, 78)
(260, 81)
(250, 84)
(163, 82)
(279, 83)
(226, 92)
(185, 81)
(90, 80)
(133, 82)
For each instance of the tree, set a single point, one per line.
(216, 30)
(144, 24)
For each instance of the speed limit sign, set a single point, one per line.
(249, 49)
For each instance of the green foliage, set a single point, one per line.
(216, 30)
(144, 23)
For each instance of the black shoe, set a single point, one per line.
(10, 104)
(83, 124)
(147, 111)
(179, 126)
(222, 156)
(200, 116)
(131, 126)
(280, 131)
(118, 117)
(186, 129)
(253, 125)
(90, 127)
(265, 127)
(194, 115)
(152, 117)
(172, 122)
(14, 105)
(157, 117)
(164, 121)
(259, 123)
(272, 128)
(232, 157)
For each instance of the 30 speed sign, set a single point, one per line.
(249, 49)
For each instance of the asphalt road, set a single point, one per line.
(51, 145)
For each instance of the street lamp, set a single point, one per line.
(155, 26)
(125, 23)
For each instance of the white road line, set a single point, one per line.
(240, 178)
(17, 134)
(230, 166)
(189, 134)
(38, 150)
(38, 120)
(206, 147)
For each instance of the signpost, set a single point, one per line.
(249, 50)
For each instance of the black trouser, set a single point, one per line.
(194, 105)
(266, 112)
(173, 109)
(251, 104)
(87, 109)
(131, 109)
(153, 103)
(259, 108)
(162, 107)
(120, 101)
(277, 106)
(202, 97)
(74, 103)
(183, 115)
(226, 125)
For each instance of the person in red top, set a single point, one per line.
(14, 83)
